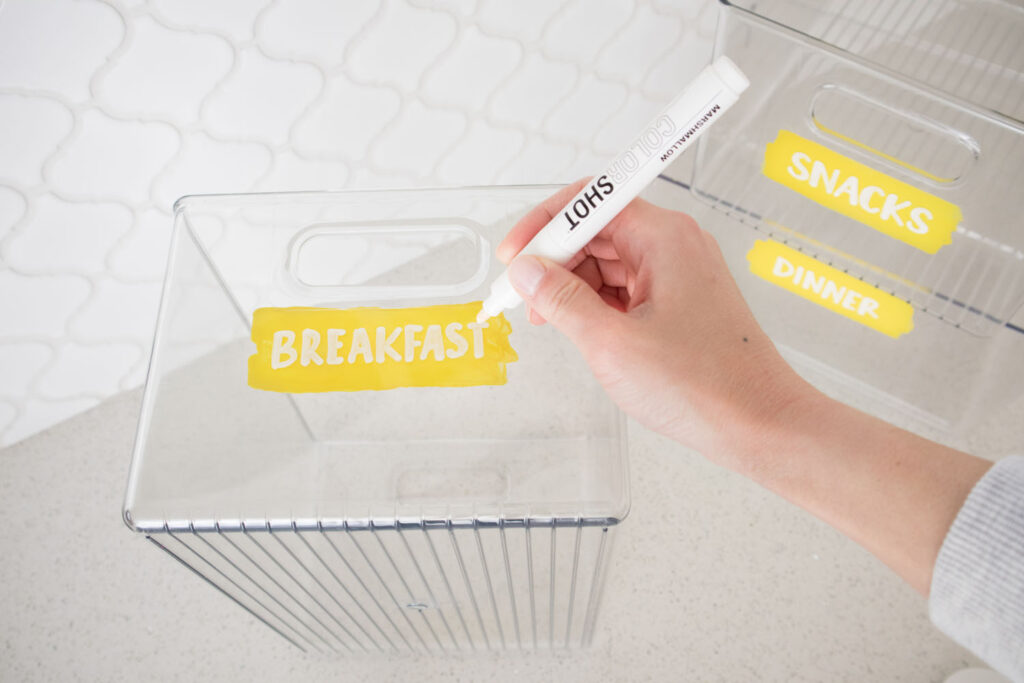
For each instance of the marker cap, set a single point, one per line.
(730, 74)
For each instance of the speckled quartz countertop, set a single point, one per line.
(712, 579)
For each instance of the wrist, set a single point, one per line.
(769, 434)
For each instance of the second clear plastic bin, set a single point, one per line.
(928, 94)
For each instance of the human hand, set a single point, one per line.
(652, 306)
(658, 317)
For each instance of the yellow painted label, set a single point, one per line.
(328, 349)
(830, 288)
(860, 192)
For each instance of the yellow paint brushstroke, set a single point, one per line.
(831, 288)
(888, 205)
(304, 349)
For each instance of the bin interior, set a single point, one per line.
(547, 444)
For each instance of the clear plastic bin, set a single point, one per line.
(436, 519)
(930, 94)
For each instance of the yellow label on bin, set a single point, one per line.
(327, 349)
(860, 192)
(829, 287)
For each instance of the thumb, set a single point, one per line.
(559, 296)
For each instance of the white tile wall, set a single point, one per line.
(110, 110)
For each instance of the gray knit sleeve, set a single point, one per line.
(977, 593)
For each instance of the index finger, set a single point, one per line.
(532, 223)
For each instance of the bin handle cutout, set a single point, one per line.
(382, 260)
(909, 141)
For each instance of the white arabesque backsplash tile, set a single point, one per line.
(32, 128)
(110, 110)
(162, 74)
(244, 106)
(110, 159)
(56, 46)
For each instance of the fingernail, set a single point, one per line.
(525, 273)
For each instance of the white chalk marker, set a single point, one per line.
(702, 103)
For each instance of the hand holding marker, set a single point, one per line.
(714, 90)
(903, 498)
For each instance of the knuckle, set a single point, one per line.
(686, 223)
